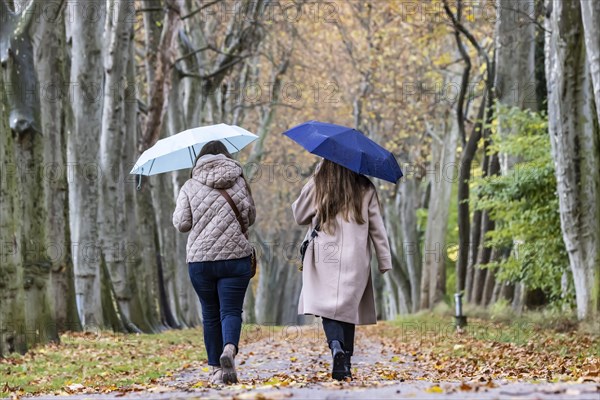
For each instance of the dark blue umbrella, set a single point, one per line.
(347, 147)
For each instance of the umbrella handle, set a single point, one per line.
(139, 185)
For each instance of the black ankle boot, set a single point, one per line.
(338, 371)
(348, 366)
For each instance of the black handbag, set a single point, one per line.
(305, 243)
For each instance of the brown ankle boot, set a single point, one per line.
(216, 375)
(228, 364)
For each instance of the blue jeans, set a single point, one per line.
(221, 287)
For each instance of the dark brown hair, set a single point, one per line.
(339, 190)
(214, 147)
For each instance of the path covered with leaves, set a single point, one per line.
(412, 359)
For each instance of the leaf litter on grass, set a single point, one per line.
(175, 361)
(85, 363)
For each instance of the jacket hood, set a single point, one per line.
(217, 171)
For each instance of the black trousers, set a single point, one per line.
(343, 332)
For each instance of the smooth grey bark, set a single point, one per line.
(188, 115)
(29, 253)
(152, 29)
(83, 136)
(51, 69)
(443, 159)
(590, 14)
(185, 111)
(184, 298)
(150, 211)
(518, 299)
(149, 311)
(29, 150)
(397, 279)
(257, 304)
(409, 203)
(137, 272)
(277, 300)
(160, 84)
(401, 224)
(170, 262)
(399, 283)
(575, 140)
(118, 33)
(16, 58)
(489, 285)
(515, 80)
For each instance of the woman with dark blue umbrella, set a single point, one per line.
(341, 206)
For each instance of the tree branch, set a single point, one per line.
(265, 103)
(191, 53)
(530, 18)
(149, 9)
(202, 7)
(160, 85)
(461, 28)
(223, 68)
(460, 114)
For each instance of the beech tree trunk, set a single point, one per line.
(51, 70)
(443, 156)
(84, 126)
(515, 80)
(401, 224)
(118, 32)
(31, 257)
(590, 13)
(575, 139)
(12, 311)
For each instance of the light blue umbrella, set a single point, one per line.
(179, 151)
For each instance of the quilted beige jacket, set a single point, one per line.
(215, 233)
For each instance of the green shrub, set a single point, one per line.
(524, 204)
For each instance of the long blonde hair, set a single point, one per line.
(339, 190)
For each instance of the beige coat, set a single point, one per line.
(215, 233)
(336, 276)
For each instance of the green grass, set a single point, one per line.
(102, 361)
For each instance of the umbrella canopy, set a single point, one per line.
(179, 151)
(347, 147)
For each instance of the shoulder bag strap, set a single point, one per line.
(235, 210)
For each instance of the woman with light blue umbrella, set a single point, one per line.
(216, 207)
(341, 207)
